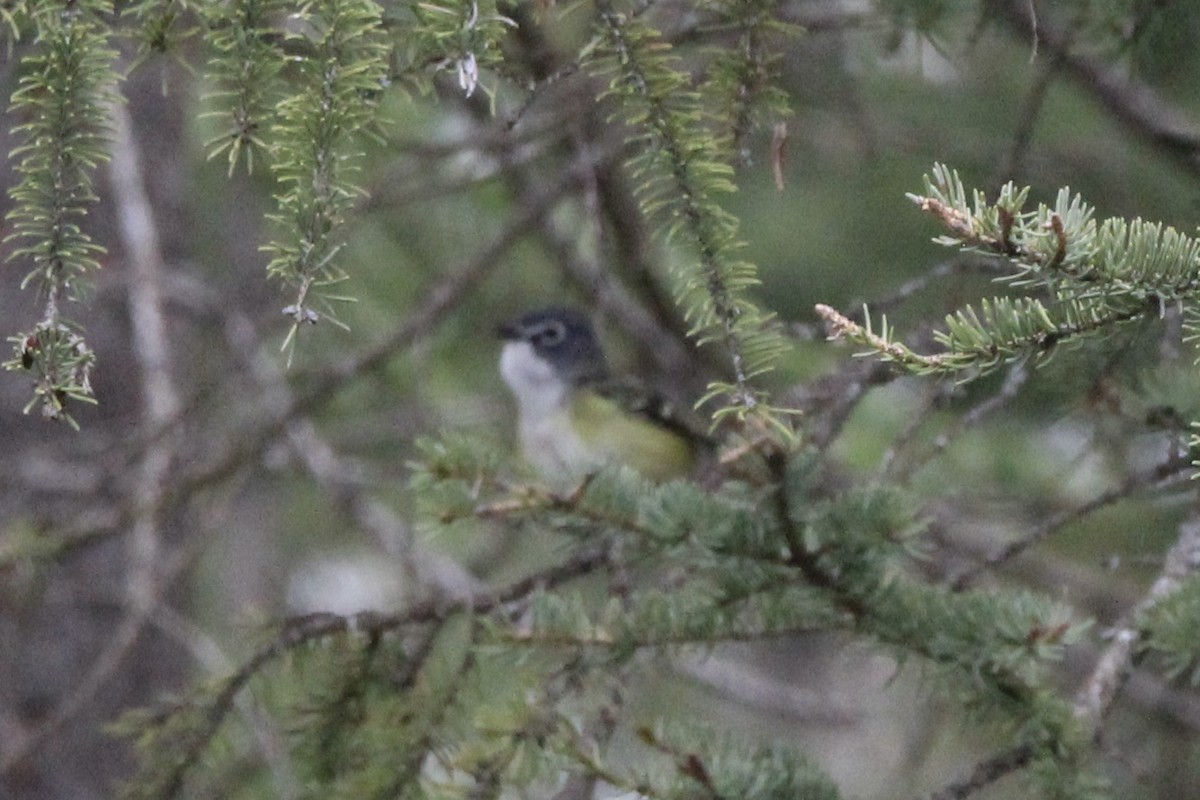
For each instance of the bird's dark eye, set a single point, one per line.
(548, 334)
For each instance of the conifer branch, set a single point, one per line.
(63, 96)
(1062, 247)
(749, 560)
(457, 37)
(1002, 331)
(180, 734)
(1095, 276)
(245, 67)
(157, 25)
(679, 163)
(313, 153)
(741, 84)
(705, 765)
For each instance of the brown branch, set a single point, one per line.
(901, 470)
(1027, 115)
(986, 773)
(1169, 470)
(1113, 668)
(1138, 106)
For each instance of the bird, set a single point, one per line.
(574, 417)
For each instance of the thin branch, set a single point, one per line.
(1018, 375)
(1112, 670)
(828, 402)
(1131, 102)
(1026, 120)
(960, 264)
(1167, 472)
(986, 773)
(890, 464)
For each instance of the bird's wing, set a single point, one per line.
(655, 408)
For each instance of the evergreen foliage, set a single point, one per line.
(245, 69)
(61, 108)
(1172, 633)
(340, 74)
(508, 699)
(463, 39)
(1083, 279)
(161, 27)
(682, 167)
(741, 88)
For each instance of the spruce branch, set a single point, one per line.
(161, 26)
(245, 69)
(458, 37)
(741, 86)
(745, 560)
(721, 768)
(181, 733)
(756, 568)
(63, 98)
(1085, 278)
(681, 171)
(313, 153)
(1003, 331)
(1061, 246)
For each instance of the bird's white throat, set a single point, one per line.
(549, 440)
(539, 390)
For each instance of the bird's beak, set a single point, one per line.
(508, 331)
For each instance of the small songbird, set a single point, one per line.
(574, 418)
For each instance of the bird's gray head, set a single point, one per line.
(547, 353)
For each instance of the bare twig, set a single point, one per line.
(960, 264)
(986, 773)
(1168, 471)
(1131, 102)
(1027, 116)
(1111, 671)
(1017, 376)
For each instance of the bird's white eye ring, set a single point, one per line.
(548, 334)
